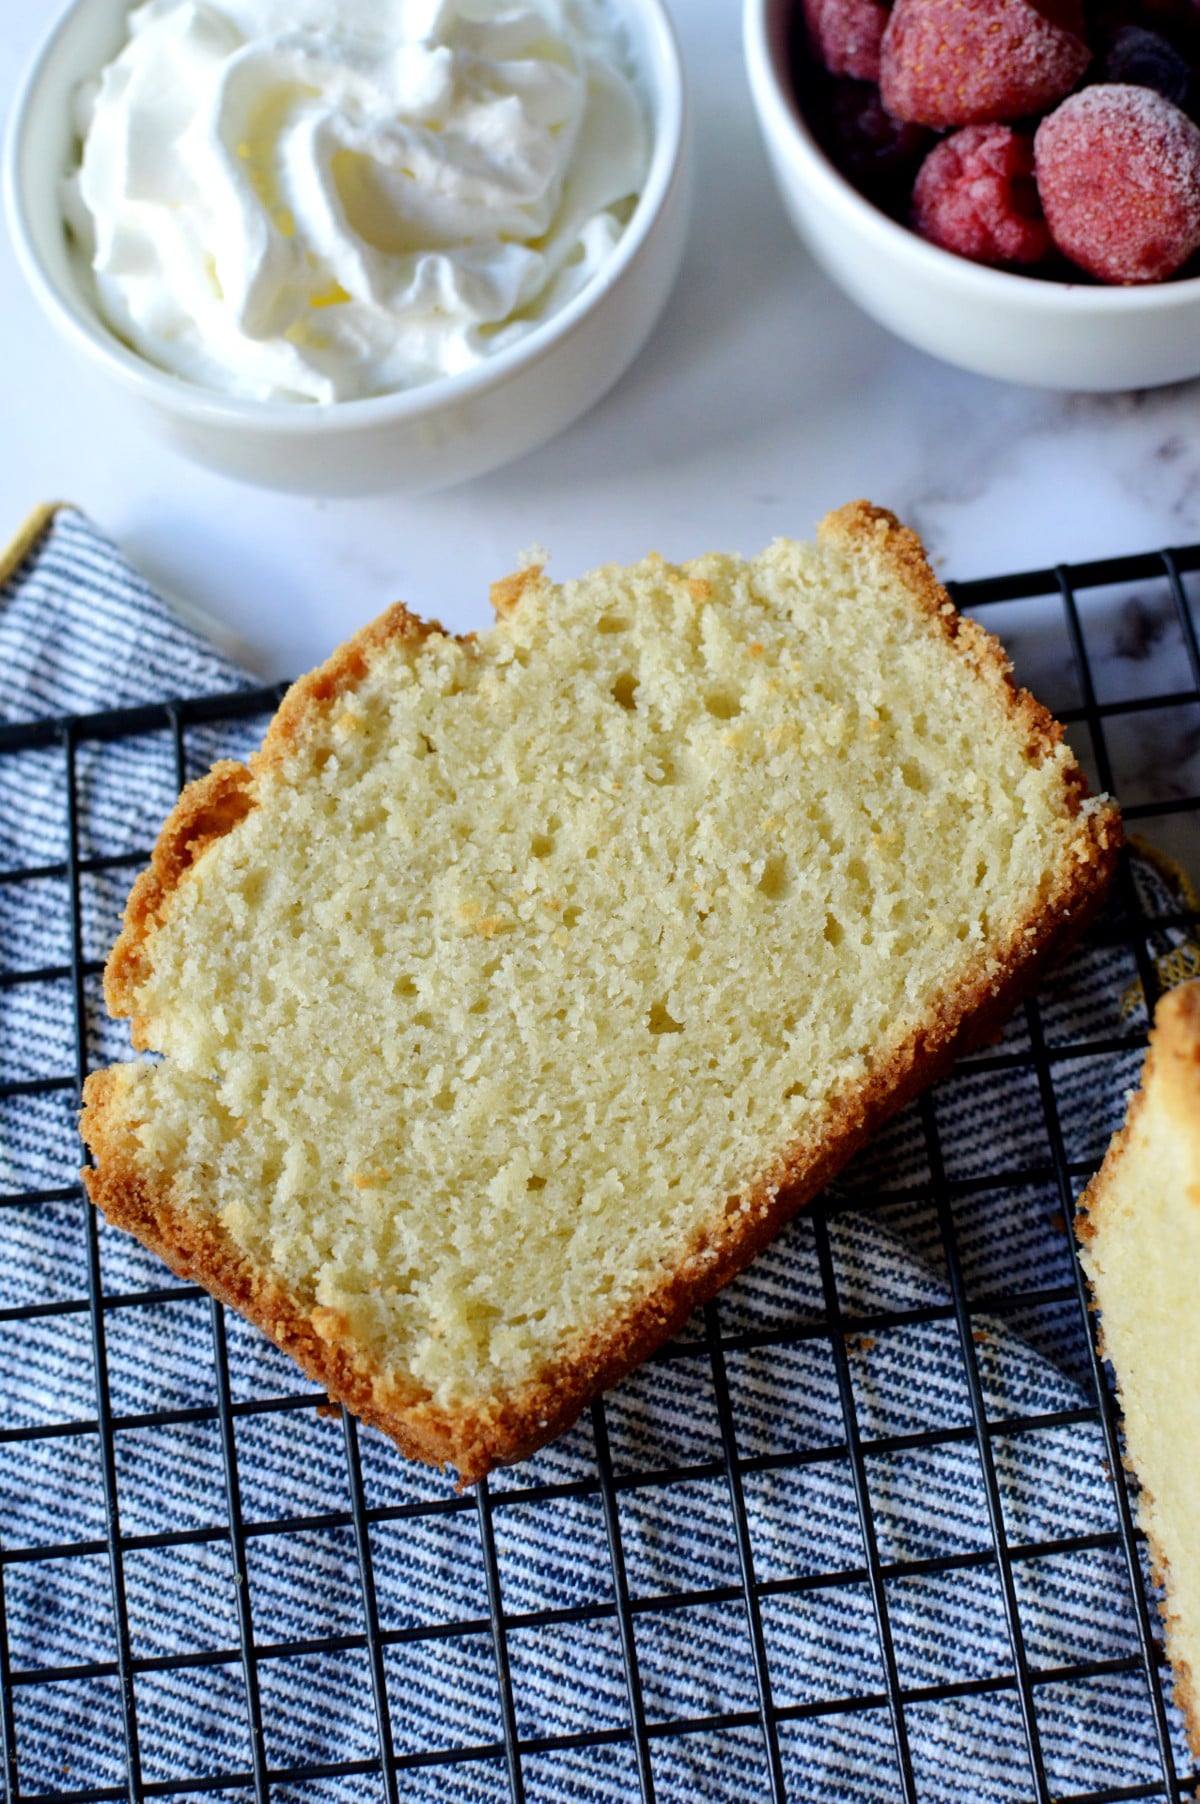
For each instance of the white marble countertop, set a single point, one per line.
(762, 399)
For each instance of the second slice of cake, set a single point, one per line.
(1139, 1230)
(524, 984)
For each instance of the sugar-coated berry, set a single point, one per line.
(1118, 172)
(846, 35)
(975, 194)
(1143, 59)
(979, 62)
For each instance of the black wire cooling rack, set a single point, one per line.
(284, 1572)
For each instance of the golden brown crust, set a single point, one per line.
(1183, 1680)
(214, 804)
(313, 695)
(508, 590)
(203, 1251)
(1171, 1071)
(205, 811)
(1176, 1050)
(1189, 1703)
(1170, 1080)
(872, 532)
(506, 1429)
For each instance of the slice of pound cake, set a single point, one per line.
(525, 983)
(1139, 1231)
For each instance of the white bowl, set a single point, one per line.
(1052, 334)
(443, 432)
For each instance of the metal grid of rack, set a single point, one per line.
(620, 1650)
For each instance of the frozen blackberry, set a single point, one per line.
(1143, 59)
(878, 154)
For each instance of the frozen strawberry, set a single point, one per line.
(846, 35)
(979, 62)
(1118, 172)
(975, 194)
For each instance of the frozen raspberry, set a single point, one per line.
(846, 34)
(879, 154)
(1144, 60)
(975, 194)
(978, 62)
(1118, 171)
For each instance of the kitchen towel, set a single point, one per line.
(80, 632)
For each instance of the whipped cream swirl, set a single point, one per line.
(326, 199)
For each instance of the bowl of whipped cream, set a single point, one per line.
(338, 246)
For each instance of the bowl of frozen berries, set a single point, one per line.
(1012, 185)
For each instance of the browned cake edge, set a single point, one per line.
(1172, 1068)
(506, 1428)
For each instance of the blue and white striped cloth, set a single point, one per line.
(79, 631)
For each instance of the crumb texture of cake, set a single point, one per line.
(525, 983)
(1139, 1230)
